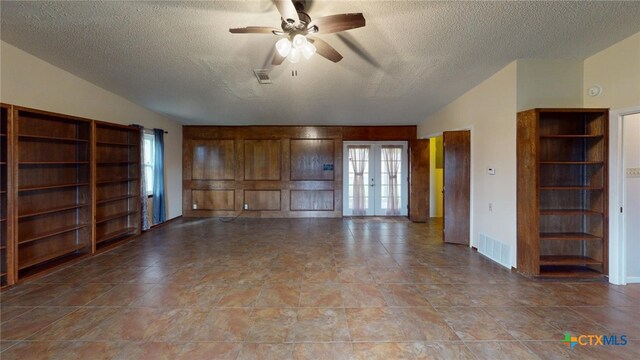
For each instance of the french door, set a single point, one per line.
(375, 178)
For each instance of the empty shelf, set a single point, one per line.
(571, 136)
(51, 210)
(51, 234)
(51, 138)
(116, 234)
(53, 163)
(569, 212)
(114, 216)
(564, 272)
(113, 181)
(570, 187)
(568, 236)
(571, 162)
(568, 260)
(46, 187)
(116, 198)
(114, 143)
(116, 162)
(49, 256)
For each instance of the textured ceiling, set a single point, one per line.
(412, 58)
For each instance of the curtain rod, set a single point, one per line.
(144, 128)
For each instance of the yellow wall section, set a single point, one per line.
(31, 82)
(617, 70)
(435, 183)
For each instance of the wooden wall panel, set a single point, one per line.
(277, 170)
(262, 159)
(213, 159)
(214, 199)
(309, 200)
(379, 133)
(308, 158)
(261, 200)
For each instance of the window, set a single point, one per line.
(149, 147)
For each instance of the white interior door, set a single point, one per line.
(375, 179)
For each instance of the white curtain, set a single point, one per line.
(391, 162)
(144, 207)
(359, 156)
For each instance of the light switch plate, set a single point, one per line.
(633, 172)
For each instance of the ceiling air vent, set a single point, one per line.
(263, 76)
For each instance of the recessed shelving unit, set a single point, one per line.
(53, 189)
(562, 193)
(117, 183)
(6, 267)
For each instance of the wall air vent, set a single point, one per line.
(263, 76)
(494, 250)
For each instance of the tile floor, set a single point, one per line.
(306, 289)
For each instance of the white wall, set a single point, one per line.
(617, 70)
(436, 179)
(549, 83)
(29, 81)
(489, 110)
(631, 159)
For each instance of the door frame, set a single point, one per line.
(404, 169)
(617, 235)
(473, 241)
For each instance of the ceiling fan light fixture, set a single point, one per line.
(294, 56)
(283, 46)
(308, 50)
(299, 41)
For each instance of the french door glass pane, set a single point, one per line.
(359, 158)
(391, 174)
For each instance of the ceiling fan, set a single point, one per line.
(296, 29)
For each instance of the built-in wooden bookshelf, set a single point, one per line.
(69, 187)
(53, 189)
(6, 224)
(117, 183)
(562, 192)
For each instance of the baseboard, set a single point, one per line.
(165, 223)
(633, 279)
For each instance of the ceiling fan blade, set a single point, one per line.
(287, 11)
(254, 30)
(277, 59)
(336, 23)
(325, 50)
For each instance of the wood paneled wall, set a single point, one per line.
(278, 171)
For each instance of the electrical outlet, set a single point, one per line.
(490, 206)
(246, 207)
(633, 172)
(195, 206)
